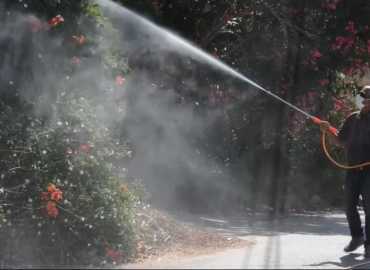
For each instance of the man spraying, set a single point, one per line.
(354, 137)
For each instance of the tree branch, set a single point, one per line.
(288, 23)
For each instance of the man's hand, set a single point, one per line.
(325, 126)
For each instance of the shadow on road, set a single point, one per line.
(349, 261)
(262, 224)
(259, 224)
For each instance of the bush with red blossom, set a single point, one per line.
(61, 196)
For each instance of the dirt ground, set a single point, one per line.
(160, 235)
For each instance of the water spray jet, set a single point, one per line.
(167, 39)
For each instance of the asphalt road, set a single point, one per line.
(304, 241)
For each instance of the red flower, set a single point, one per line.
(338, 104)
(52, 196)
(113, 254)
(85, 148)
(349, 71)
(361, 50)
(343, 43)
(56, 21)
(79, 40)
(315, 54)
(52, 209)
(339, 41)
(57, 195)
(120, 80)
(351, 27)
(52, 188)
(331, 5)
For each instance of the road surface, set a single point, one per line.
(304, 241)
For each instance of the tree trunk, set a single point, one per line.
(280, 172)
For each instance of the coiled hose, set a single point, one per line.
(334, 131)
(336, 163)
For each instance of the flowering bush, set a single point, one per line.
(64, 199)
(70, 205)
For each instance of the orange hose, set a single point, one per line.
(339, 165)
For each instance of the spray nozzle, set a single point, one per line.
(318, 121)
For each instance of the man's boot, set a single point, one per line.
(354, 244)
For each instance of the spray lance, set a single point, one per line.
(316, 121)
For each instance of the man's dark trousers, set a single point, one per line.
(358, 183)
